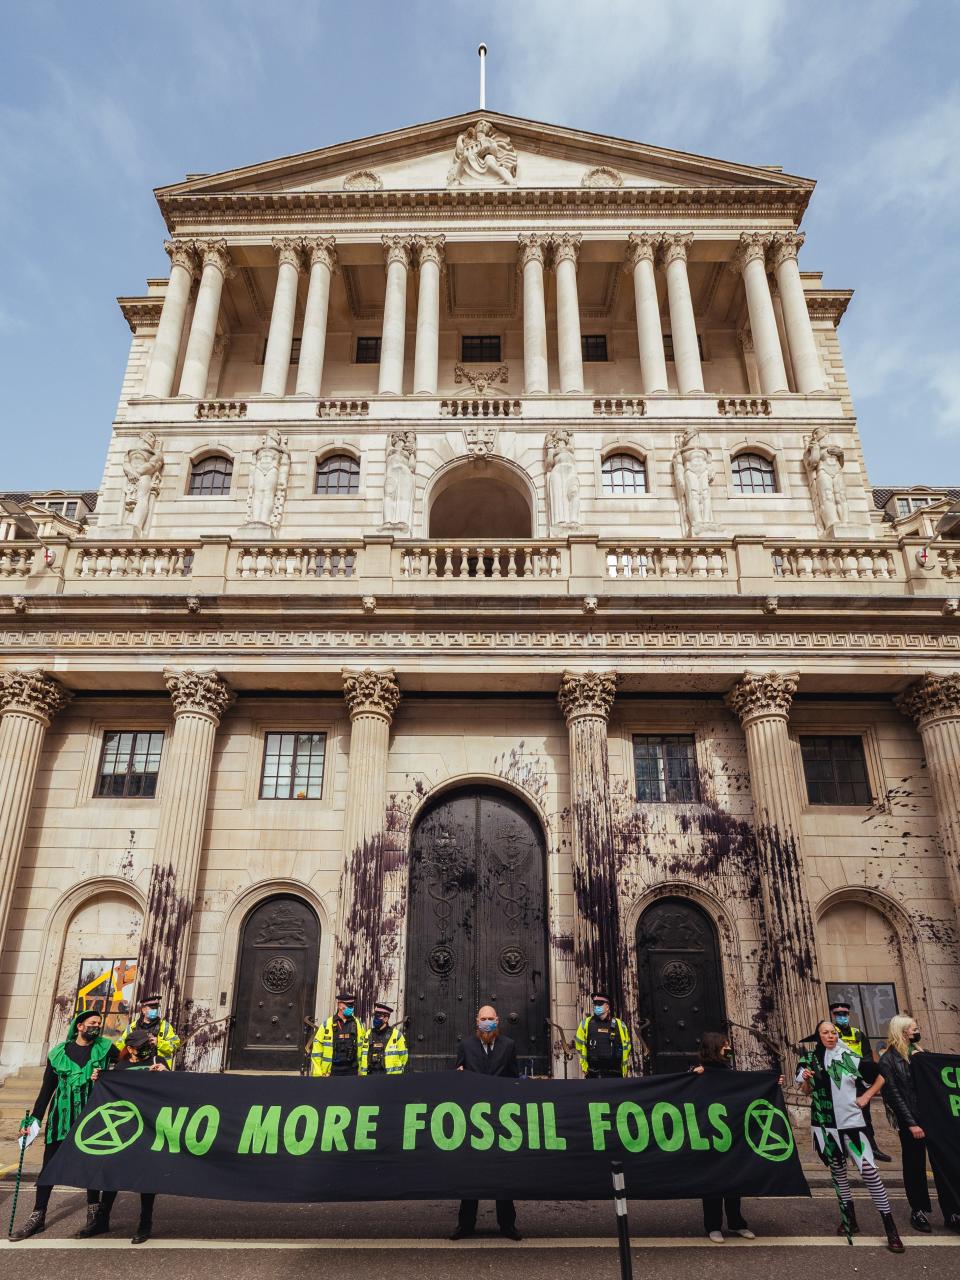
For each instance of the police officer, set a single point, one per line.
(164, 1039)
(858, 1043)
(602, 1042)
(384, 1049)
(337, 1046)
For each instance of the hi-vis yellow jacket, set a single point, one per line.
(394, 1054)
(168, 1042)
(321, 1050)
(617, 1028)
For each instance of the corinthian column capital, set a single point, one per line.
(182, 253)
(396, 249)
(641, 247)
(753, 246)
(932, 698)
(429, 249)
(322, 249)
(785, 245)
(289, 249)
(566, 248)
(31, 692)
(674, 246)
(371, 693)
(762, 693)
(198, 693)
(532, 247)
(587, 693)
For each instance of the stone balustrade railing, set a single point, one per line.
(498, 561)
(133, 560)
(949, 562)
(16, 559)
(818, 560)
(297, 561)
(657, 560)
(480, 407)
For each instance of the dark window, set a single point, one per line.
(835, 769)
(484, 346)
(593, 347)
(624, 473)
(872, 1005)
(752, 473)
(293, 766)
(129, 764)
(668, 346)
(211, 476)
(339, 473)
(666, 768)
(368, 351)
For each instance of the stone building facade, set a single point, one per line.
(485, 599)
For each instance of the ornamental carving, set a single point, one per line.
(321, 249)
(674, 246)
(931, 698)
(678, 979)
(214, 253)
(480, 440)
(143, 468)
(198, 693)
(566, 248)
(399, 482)
(641, 247)
(31, 692)
(363, 180)
(481, 379)
(429, 249)
(753, 246)
(482, 155)
(602, 177)
(396, 249)
(532, 246)
(267, 493)
(762, 693)
(693, 474)
(278, 975)
(785, 246)
(823, 462)
(588, 693)
(563, 483)
(289, 250)
(371, 693)
(182, 253)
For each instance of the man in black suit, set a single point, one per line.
(490, 1054)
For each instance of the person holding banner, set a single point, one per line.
(384, 1048)
(900, 1100)
(338, 1044)
(857, 1043)
(829, 1074)
(602, 1042)
(716, 1054)
(165, 1039)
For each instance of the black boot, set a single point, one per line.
(98, 1223)
(36, 1223)
(142, 1233)
(894, 1243)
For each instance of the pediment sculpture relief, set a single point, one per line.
(399, 483)
(143, 467)
(602, 177)
(268, 483)
(481, 153)
(363, 180)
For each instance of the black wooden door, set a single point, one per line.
(477, 928)
(681, 984)
(276, 985)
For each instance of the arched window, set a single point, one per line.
(338, 473)
(210, 477)
(753, 473)
(624, 473)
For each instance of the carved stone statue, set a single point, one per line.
(481, 153)
(823, 461)
(268, 483)
(563, 483)
(143, 467)
(399, 481)
(693, 475)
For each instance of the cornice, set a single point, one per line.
(828, 304)
(141, 311)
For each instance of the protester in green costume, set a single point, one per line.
(67, 1081)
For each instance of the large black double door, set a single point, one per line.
(477, 927)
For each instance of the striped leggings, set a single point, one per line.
(871, 1180)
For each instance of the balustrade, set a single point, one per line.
(499, 561)
(297, 561)
(480, 408)
(16, 562)
(664, 561)
(832, 561)
(134, 561)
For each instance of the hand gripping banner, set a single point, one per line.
(429, 1136)
(937, 1077)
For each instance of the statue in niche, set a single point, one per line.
(481, 153)
(268, 483)
(823, 462)
(563, 483)
(143, 467)
(399, 481)
(693, 475)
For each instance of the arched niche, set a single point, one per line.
(861, 957)
(490, 502)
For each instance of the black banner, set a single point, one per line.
(937, 1077)
(431, 1136)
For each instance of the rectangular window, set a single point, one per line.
(129, 764)
(668, 346)
(835, 769)
(903, 506)
(593, 348)
(368, 351)
(872, 1005)
(293, 766)
(480, 347)
(666, 768)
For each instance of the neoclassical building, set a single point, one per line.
(485, 600)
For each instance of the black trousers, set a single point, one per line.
(914, 1152)
(44, 1193)
(147, 1198)
(713, 1208)
(467, 1217)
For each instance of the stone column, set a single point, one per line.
(535, 370)
(200, 697)
(166, 345)
(750, 262)
(203, 330)
(396, 251)
(276, 361)
(566, 249)
(599, 957)
(807, 372)
(683, 325)
(934, 704)
(762, 701)
(372, 698)
(29, 699)
(323, 263)
(653, 366)
(427, 356)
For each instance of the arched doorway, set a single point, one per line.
(276, 984)
(862, 961)
(680, 981)
(490, 503)
(477, 931)
(98, 967)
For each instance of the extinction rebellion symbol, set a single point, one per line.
(768, 1131)
(110, 1129)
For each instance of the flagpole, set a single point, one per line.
(482, 51)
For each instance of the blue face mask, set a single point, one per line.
(379, 1022)
(488, 1024)
(842, 1019)
(598, 1010)
(152, 1015)
(348, 1011)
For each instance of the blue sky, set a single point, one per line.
(102, 101)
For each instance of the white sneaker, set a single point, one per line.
(746, 1233)
(716, 1236)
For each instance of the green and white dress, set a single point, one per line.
(838, 1124)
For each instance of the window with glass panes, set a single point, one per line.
(593, 347)
(368, 351)
(668, 346)
(835, 769)
(481, 346)
(129, 764)
(623, 473)
(665, 765)
(339, 473)
(753, 473)
(210, 477)
(293, 766)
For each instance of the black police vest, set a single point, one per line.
(376, 1050)
(344, 1047)
(603, 1043)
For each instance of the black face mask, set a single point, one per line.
(89, 1033)
(915, 1038)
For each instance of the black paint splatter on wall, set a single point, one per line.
(161, 963)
